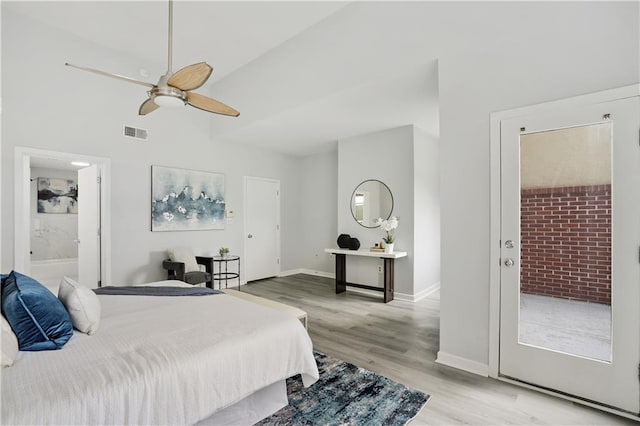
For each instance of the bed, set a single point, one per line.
(163, 360)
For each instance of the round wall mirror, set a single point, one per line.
(370, 200)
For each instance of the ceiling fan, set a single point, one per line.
(175, 89)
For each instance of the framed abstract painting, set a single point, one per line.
(56, 195)
(186, 200)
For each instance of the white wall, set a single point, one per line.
(317, 210)
(388, 157)
(52, 235)
(53, 107)
(426, 193)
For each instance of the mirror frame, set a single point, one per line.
(353, 194)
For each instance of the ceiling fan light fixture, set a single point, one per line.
(169, 101)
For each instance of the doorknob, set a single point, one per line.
(509, 262)
(250, 236)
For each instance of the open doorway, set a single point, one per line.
(53, 226)
(61, 217)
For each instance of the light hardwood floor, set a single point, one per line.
(400, 340)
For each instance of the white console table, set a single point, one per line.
(341, 269)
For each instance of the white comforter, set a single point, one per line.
(158, 360)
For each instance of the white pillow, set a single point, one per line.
(82, 304)
(9, 344)
(186, 256)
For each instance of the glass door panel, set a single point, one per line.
(565, 246)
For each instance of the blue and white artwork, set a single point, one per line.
(186, 200)
(57, 195)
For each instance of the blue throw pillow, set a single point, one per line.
(39, 320)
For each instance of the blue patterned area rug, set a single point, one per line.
(347, 395)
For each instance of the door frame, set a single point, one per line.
(496, 219)
(245, 179)
(22, 206)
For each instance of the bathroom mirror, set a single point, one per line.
(370, 200)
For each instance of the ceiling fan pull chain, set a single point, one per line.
(170, 35)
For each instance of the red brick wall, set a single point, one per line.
(566, 242)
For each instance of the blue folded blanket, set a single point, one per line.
(157, 291)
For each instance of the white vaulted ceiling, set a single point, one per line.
(227, 34)
(302, 74)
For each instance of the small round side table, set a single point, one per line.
(225, 275)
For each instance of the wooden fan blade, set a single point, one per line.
(108, 74)
(190, 77)
(210, 105)
(147, 107)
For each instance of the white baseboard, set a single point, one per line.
(416, 297)
(404, 297)
(331, 275)
(308, 272)
(289, 272)
(378, 294)
(465, 364)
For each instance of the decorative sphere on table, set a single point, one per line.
(344, 240)
(354, 244)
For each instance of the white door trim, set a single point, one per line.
(495, 199)
(22, 206)
(245, 226)
(89, 255)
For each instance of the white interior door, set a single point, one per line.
(570, 235)
(89, 226)
(262, 228)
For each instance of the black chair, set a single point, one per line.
(176, 271)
